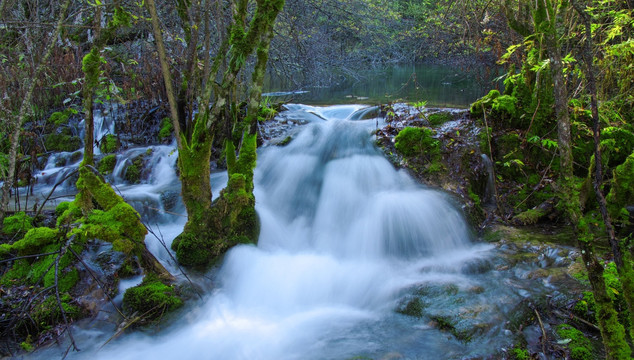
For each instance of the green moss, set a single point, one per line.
(34, 240)
(505, 104)
(579, 346)
(529, 217)
(120, 226)
(20, 222)
(439, 118)
(192, 250)
(62, 142)
(109, 144)
(107, 164)
(520, 354)
(247, 160)
(61, 208)
(151, 298)
(416, 142)
(166, 129)
(48, 313)
(71, 212)
(484, 102)
(622, 189)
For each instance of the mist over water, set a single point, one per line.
(344, 236)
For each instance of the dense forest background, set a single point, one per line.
(562, 123)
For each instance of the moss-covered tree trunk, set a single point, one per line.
(212, 229)
(18, 120)
(623, 265)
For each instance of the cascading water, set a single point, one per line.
(344, 237)
(347, 244)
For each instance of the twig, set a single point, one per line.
(576, 318)
(52, 190)
(28, 256)
(544, 337)
(105, 291)
(486, 124)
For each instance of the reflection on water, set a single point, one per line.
(444, 86)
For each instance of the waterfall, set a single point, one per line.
(345, 239)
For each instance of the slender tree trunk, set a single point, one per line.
(89, 93)
(18, 121)
(165, 69)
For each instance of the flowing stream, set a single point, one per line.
(346, 240)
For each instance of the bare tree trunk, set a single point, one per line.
(17, 122)
(165, 69)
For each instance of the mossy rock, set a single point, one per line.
(106, 165)
(579, 347)
(416, 142)
(20, 222)
(413, 307)
(439, 118)
(34, 240)
(62, 142)
(109, 144)
(152, 298)
(529, 217)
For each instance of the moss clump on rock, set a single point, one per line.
(416, 142)
(166, 130)
(439, 118)
(34, 240)
(151, 298)
(109, 144)
(579, 346)
(62, 142)
(107, 164)
(20, 222)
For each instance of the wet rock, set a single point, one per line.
(169, 199)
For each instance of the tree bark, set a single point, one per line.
(18, 121)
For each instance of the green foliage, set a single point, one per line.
(106, 165)
(416, 142)
(617, 143)
(109, 144)
(20, 222)
(166, 129)
(152, 298)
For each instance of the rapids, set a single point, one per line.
(346, 240)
